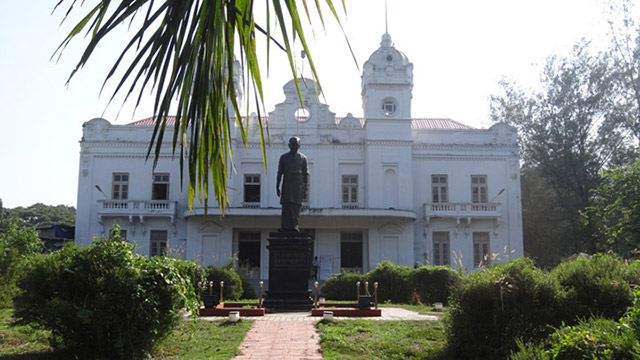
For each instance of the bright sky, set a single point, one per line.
(460, 49)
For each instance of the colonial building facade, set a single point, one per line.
(383, 187)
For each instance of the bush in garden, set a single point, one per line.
(632, 317)
(232, 282)
(492, 308)
(195, 273)
(393, 282)
(103, 301)
(434, 283)
(342, 286)
(596, 286)
(596, 338)
(17, 246)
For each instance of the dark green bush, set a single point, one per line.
(596, 286)
(492, 308)
(17, 246)
(103, 301)
(592, 339)
(196, 273)
(393, 282)
(434, 283)
(232, 282)
(342, 286)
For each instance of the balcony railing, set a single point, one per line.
(462, 210)
(141, 208)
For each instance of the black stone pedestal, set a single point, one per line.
(289, 266)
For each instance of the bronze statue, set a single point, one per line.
(293, 166)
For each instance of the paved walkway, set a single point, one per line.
(281, 339)
(285, 336)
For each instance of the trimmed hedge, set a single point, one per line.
(232, 282)
(342, 286)
(434, 283)
(393, 282)
(396, 283)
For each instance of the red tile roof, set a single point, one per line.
(421, 123)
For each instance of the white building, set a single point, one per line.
(385, 187)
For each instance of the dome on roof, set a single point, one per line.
(305, 85)
(387, 55)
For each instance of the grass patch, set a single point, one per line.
(420, 309)
(193, 339)
(203, 339)
(23, 342)
(369, 339)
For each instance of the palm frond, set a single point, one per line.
(186, 52)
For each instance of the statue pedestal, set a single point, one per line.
(289, 270)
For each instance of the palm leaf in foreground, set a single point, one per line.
(186, 50)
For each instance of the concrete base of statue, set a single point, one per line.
(289, 270)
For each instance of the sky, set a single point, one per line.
(460, 49)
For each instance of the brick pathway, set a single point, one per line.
(282, 340)
(292, 336)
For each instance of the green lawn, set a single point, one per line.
(420, 309)
(370, 339)
(202, 339)
(197, 339)
(22, 342)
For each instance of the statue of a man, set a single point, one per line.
(293, 167)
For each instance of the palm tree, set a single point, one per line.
(186, 50)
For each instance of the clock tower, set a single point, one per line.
(387, 81)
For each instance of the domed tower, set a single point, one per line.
(387, 81)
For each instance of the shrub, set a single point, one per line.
(17, 245)
(393, 282)
(595, 338)
(342, 286)
(194, 272)
(492, 308)
(232, 282)
(596, 286)
(632, 317)
(103, 301)
(434, 283)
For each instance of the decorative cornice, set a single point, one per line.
(390, 142)
(462, 147)
(459, 157)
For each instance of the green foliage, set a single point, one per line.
(41, 214)
(248, 292)
(595, 338)
(632, 317)
(616, 209)
(596, 286)
(393, 282)
(583, 119)
(17, 246)
(232, 282)
(342, 286)
(492, 308)
(434, 283)
(103, 301)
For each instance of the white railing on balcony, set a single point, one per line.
(137, 207)
(462, 209)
